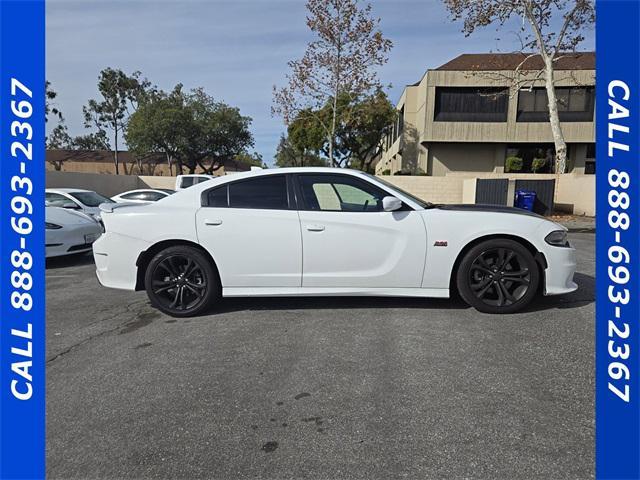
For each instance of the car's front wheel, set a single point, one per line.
(498, 276)
(181, 281)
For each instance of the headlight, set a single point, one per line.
(52, 226)
(557, 238)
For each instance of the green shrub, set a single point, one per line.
(409, 172)
(538, 164)
(386, 172)
(513, 164)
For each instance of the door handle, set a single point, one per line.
(213, 223)
(315, 228)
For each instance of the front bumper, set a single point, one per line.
(561, 266)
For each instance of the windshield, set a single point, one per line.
(90, 199)
(419, 201)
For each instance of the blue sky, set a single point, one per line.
(237, 50)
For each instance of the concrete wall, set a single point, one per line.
(106, 184)
(86, 166)
(430, 189)
(576, 193)
(157, 182)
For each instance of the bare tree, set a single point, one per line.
(555, 28)
(341, 60)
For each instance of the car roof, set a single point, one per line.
(276, 171)
(67, 190)
(142, 190)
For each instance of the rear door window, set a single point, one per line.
(268, 192)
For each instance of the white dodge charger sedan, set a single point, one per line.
(323, 231)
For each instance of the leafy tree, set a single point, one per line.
(555, 27)
(91, 141)
(363, 124)
(252, 159)
(190, 128)
(59, 133)
(59, 138)
(361, 134)
(306, 134)
(343, 58)
(289, 155)
(50, 107)
(160, 125)
(77, 148)
(216, 133)
(120, 96)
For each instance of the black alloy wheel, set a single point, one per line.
(181, 282)
(498, 276)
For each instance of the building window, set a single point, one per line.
(471, 104)
(590, 160)
(575, 104)
(531, 158)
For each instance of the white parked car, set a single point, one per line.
(86, 201)
(189, 180)
(69, 231)
(323, 231)
(143, 195)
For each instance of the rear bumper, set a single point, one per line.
(115, 257)
(561, 266)
(70, 240)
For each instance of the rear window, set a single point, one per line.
(90, 199)
(186, 182)
(217, 197)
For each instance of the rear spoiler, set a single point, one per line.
(110, 207)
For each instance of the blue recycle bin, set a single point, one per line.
(525, 199)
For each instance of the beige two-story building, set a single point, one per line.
(479, 112)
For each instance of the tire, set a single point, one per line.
(177, 294)
(498, 276)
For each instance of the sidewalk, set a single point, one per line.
(576, 223)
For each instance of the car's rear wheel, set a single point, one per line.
(181, 281)
(498, 276)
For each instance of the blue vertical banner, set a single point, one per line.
(618, 239)
(22, 223)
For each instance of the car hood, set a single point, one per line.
(487, 208)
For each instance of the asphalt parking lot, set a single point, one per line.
(317, 388)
